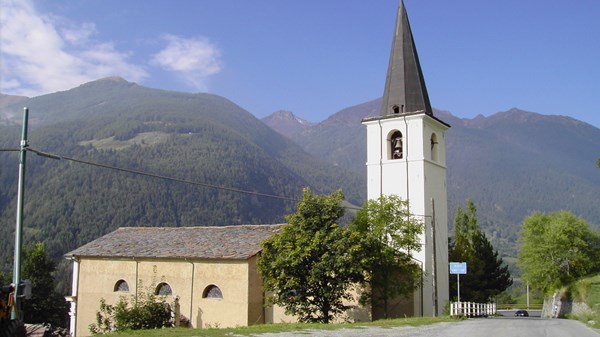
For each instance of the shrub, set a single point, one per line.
(148, 312)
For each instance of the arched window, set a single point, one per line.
(396, 145)
(212, 291)
(121, 286)
(163, 289)
(434, 147)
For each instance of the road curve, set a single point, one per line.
(482, 327)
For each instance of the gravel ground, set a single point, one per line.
(494, 327)
(421, 331)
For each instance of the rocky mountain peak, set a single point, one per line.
(286, 123)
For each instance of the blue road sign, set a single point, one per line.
(458, 267)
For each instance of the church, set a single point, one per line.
(406, 156)
(211, 272)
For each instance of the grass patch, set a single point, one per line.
(143, 139)
(275, 328)
(587, 290)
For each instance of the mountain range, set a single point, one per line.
(214, 163)
(511, 163)
(218, 165)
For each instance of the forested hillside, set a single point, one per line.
(510, 164)
(200, 138)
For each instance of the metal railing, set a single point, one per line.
(472, 309)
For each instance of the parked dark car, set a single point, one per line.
(521, 313)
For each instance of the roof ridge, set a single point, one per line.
(190, 227)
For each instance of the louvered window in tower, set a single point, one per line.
(434, 147)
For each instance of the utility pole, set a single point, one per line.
(19, 225)
(527, 295)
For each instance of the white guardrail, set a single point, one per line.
(471, 309)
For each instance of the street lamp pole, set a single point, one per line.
(19, 225)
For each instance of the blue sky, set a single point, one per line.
(312, 57)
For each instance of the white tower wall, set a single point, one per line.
(419, 177)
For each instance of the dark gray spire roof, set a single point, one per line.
(405, 90)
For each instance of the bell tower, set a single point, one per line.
(406, 156)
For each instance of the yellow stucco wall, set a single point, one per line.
(355, 312)
(239, 281)
(97, 280)
(276, 314)
(239, 306)
(232, 278)
(256, 311)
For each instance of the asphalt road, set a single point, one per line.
(514, 327)
(480, 327)
(511, 313)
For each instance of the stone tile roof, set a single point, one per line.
(230, 242)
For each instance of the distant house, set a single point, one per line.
(212, 270)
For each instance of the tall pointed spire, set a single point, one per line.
(405, 90)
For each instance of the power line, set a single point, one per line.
(184, 181)
(163, 177)
(10, 150)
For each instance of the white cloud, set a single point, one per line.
(80, 34)
(195, 59)
(42, 54)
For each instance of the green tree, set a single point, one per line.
(311, 266)
(389, 233)
(487, 276)
(45, 305)
(556, 248)
(4, 279)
